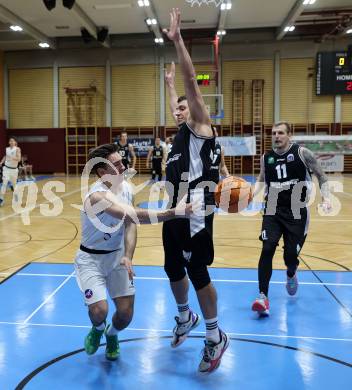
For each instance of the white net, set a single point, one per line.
(207, 2)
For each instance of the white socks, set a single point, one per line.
(212, 330)
(183, 311)
(100, 327)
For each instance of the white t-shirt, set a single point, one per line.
(105, 232)
(11, 153)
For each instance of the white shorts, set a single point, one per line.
(9, 174)
(97, 273)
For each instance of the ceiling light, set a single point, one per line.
(44, 45)
(151, 21)
(308, 2)
(143, 3)
(158, 40)
(16, 28)
(349, 31)
(226, 6)
(292, 28)
(221, 32)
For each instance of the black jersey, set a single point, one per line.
(216, 160)
(287, 179)
(158, 153)
(189, 162)
(124, 152)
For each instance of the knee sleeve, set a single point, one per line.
(174, 270)
(199, 276)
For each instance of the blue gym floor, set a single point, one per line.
(306, 343)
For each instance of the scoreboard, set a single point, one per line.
(334, 73)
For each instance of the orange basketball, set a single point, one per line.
(233, 194)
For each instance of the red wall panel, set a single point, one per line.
(46, 157)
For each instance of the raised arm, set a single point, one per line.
(198, 110)
(312, 164)
(170, 85)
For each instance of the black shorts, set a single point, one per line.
(294, 231)
(180, 248)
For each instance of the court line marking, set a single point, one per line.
(48, 298)
(170, 331)
(163, 278)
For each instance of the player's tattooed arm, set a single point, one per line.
(313, 165)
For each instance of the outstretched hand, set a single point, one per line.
(174, 33)
(170, 75)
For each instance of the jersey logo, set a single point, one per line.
(88, 293)
(271, 160)
(213, 157)
(264, 236)
(290, 157)
(107, 236)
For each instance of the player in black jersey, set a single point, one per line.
(189, 246)
(285, 171)
(126, 151)
(156, 156)
(218, 158)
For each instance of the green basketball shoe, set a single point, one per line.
(112, 351)
(92, 340)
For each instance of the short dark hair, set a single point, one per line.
(102, 151)
(286, 124)
(181, 98)
(14, 138)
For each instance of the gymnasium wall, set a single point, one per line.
(135, 83)
(298, 102)
(346, 108)
(30, 98)
(82, 77)
(46, 157)
(248, 70)
(135, 95)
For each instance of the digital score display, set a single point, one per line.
(203, 79)
(334, 73)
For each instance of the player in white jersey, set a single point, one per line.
(109, 235)
(10, 168)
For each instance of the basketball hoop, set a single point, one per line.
(207, 2)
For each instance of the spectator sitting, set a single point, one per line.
(26, 168)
